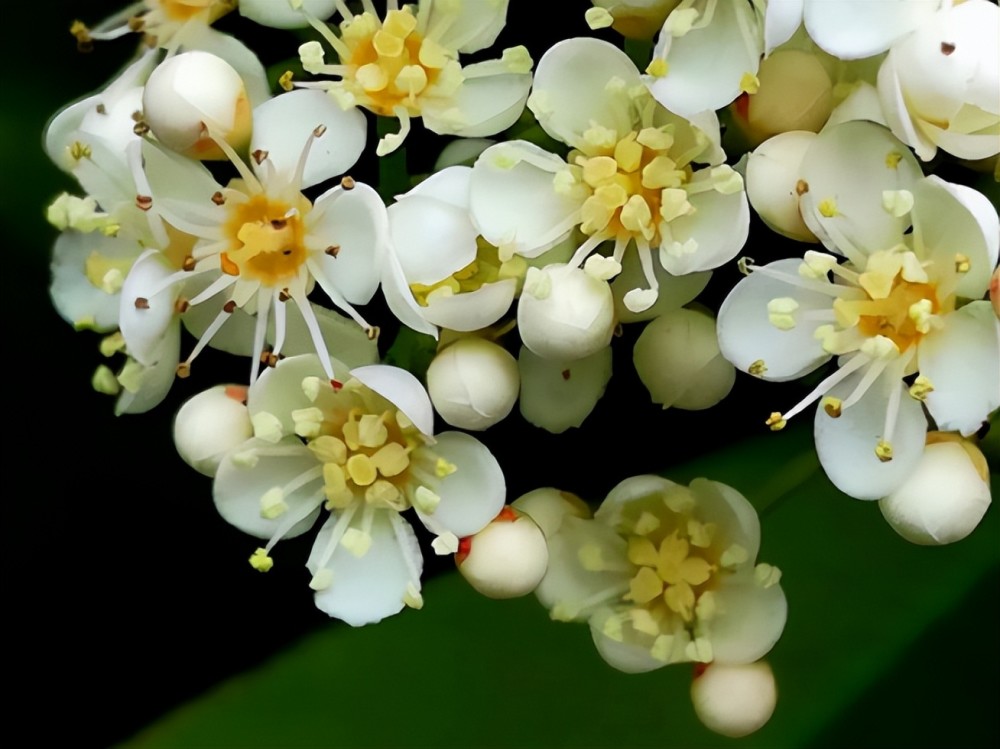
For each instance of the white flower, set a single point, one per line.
(734, 700)
(630, 178)
(364, 451)
(940, 85)
(891, 311)
(507, 558)
(260, 242)
(852, 29)
(407, 66)
(773, 183)
(664, 574)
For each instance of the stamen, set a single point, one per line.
(260, 330)
(820, 390)
(292, 518)
(245, 172)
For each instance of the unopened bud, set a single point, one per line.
(734, 700)
(507, 558)
(211, 424)
(774, 186)
(473, 383)
(548, 506)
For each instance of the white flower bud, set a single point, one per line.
(734, 700)
(565, 313)
(774, 185)
(193, 91)
(211, 424)
(548, 506)
(473, 383)
(677, 358)
(944, 498)
(795, 93)
(507, 558)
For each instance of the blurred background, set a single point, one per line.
(132, 598)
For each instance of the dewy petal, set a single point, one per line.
(403, 390)
(282, 125)
(483, 105)
(628, 657)
(673, 292)
(514, 203)
(77, 298)
(706, 66)
(143, 317)
(846, 445)
(852, 164)
(476, 27)
(156, 378)
(248, 472)
(749, 620)
(283, 14)
(471, 496)
(471, 310)
(354, 220)
(367, 589)
(580, 83)
(851, 29)
(735, 518)
(962, 361)
(747, 336)
(720, 225)
(950, 219)
(203, 37)
(781, 19)
(278, 390)
(557, 395)
(432, 238)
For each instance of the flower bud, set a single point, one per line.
(795, 93)
(211, 424)
(995, 291)
(565, 313)
(774, 185)
(190, 93)
(677, 358)
(945, 497)
(507, 558)
(734, 700)
(473, 383)
(548, 506)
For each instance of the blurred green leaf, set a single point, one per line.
(412, 351)
(467, 671)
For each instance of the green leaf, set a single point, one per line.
(467, 671)
(412, 351)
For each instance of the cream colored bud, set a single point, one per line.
(507, 558)
(795, 93)
(734, 700)
(774, 186)
(677, 358)
(473, 383)
(565, 313)
(548, 506)
(191, 93)
(211, 424)
(943, 499)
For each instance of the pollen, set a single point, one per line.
(266, 240)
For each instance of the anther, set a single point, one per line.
(348, 183)
(101, 109)
(181, 305)
(183, 370)
(140, 129)
(141, 302)
(776, 421)
(143, 202)
(285, 81)
(218, 198)
(136, 23)
(229, 306)
(619, 331)
(832, 406)
(136, 116)
(278, 224)
(333, 250)
(801, 187)
(259, 155)
(883, 451)
(188, 264)
(565, 374)
(947, 48)
(283, 295)
(336, 385)
(84, 43)
(757, 369)
(962, 263)
(319, 131)
(372, 332)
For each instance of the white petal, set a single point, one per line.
(345, 339)
(634, 489)
(846, 445)
(240, 483)
(735, 518)
(582, 82)
(483, 105)
(365, 590)
(432, 238)
(897, 117)
(673, 292)
(557, 395)
(157, 377)
(862, 104)
(75, 297)
(400, 299)
(283, 15)
(628, 657)
(278, 390)
(449, 185)
(749, 619)
(781, 19)
(283, 125)
(402, 389)
(851, 29)
(746, 335)
(471, 310)
(962, 361)
(477, 26)
(471, 496)
(202, 37)
(720, 226)
(355, 221)
(145, 323)
(182, 191)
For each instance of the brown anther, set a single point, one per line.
(319, 131)
(566, 374)
(333, 250)
(286, 253)
(336, 385)
(947, 48)
(218, 198)
(348, 183)
(84, 43)
(188, 264)
(278, 224)
(372, 332)
(183, 370)
(265, 354)
(136, 23)
(259, 155)
(619, 331)
(801, 187)
(101, 109)
(283, 295)
(181, 306)
(137, 116)
(143, 202)
(141, 302)
(140, 129)
(271, 360)
(229, 307)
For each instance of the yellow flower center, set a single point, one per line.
(185, 10)
(673, 573)
(266, 239)
(486, 268)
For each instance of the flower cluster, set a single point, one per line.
(578, 201)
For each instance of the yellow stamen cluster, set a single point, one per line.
(486, 268)
(670, 573)
(266, 239)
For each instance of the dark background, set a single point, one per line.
(129, 595)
